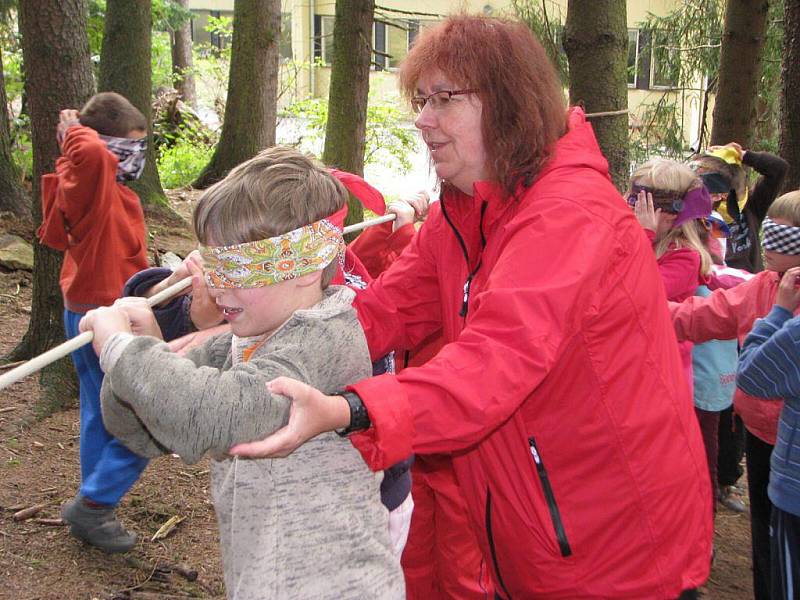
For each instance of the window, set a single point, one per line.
(324, 49)
(664, 64)
(286, 36)
(633, 56)
(398, 43)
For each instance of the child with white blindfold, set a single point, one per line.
(309, 526)
(730, 314)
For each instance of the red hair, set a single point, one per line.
(524, 110)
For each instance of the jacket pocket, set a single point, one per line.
(552, 505)
(492, 548)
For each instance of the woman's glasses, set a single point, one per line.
(438, 100)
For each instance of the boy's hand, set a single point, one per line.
(67, 118)
(645, 213)
(408, 209)
(104, 322)
(203, 311)
(788, 295)
(140, 316)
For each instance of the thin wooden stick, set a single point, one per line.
(39, 362)
(370, 223)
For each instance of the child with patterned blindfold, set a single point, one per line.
(291, 526)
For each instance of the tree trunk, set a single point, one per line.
(182, 60)
(125, 68)
(345, 133)
(790, 95)
(251, 105)
(596, 42)
(739, 71)
(12, 196)
(58, 75)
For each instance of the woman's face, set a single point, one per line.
(452, 133)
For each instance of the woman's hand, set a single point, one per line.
(788, 295)
(645, 213)
(312, 413)
(409, 209)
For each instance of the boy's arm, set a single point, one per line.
(189, 404)
(772, 169)
(81, 169)
(769, 364)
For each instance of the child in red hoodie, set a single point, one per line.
(99, 225)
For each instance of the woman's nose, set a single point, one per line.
(426, 117)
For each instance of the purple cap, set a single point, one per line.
(696, 205)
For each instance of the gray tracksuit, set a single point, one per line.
(308, 526)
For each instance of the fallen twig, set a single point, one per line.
(56, 522)
(29, 512)
(166, 528)
(11, 365)
(7, 409)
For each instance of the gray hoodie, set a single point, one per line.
(308, 526)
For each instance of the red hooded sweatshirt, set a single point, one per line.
(97, 222)
(560, 392)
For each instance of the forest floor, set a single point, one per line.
(39, 466)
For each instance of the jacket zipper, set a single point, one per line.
(473, 272)
(491, 543)
(555, 514)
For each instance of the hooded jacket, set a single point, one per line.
(560, 391)
(96, 221)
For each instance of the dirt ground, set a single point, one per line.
(39, 466)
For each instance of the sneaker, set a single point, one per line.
(97, 526)
(730, 499)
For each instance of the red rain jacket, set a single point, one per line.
(560, 393)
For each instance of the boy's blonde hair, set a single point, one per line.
(786, 207)
(274, 192)
(671, 176)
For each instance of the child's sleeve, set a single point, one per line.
(190, 405)
(716, 317)
(772, 169)
(85, 166)
(173, 317)
(769, 365)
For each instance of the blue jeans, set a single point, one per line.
(108, 469)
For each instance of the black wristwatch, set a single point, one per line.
(359, 419)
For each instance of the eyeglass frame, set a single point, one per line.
(415, 100)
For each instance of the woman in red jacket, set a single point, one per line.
(559, 391)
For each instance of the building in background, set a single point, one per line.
(307, 45)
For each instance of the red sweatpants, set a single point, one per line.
(441, 559)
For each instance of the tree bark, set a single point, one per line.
(790, 94)
(251, 105)
(12, 196)
(596, 43)
(739, 71)
(125, 68)
(182, 64)
(345, 132)
(58, 75)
